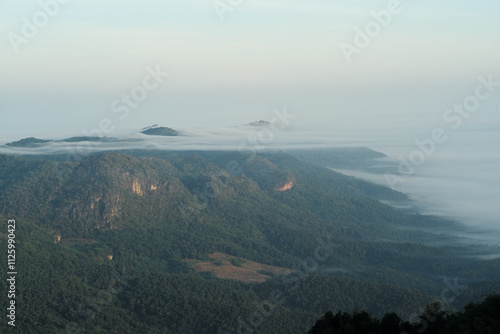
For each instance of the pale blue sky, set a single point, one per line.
(265, 54)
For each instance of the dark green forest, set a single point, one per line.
(110, 243)
(475, 318)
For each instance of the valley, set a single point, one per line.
(201, 244)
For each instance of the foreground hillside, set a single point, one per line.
(476, 318)
(219, 242)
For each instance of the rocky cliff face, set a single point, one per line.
(99, 192)
(110, 190)
(113, 187)
(286, 187)
(269, 176)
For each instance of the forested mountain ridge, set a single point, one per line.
(154, 213)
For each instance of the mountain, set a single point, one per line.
(218, 242)
(260, 123)
(35, 142)
(28, 142)
(341, 157)
(156, 130)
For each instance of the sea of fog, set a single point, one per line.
(460, 179)
(455, 174)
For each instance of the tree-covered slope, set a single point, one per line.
(155, 214)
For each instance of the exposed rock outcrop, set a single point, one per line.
(286, 187)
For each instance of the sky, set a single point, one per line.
(73, 67)
(264, 54)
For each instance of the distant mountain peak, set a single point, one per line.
(156, 130)
(28, 142)
(154, 126)
(260, 123)
(33, 142)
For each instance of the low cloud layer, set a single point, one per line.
(459, 180)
